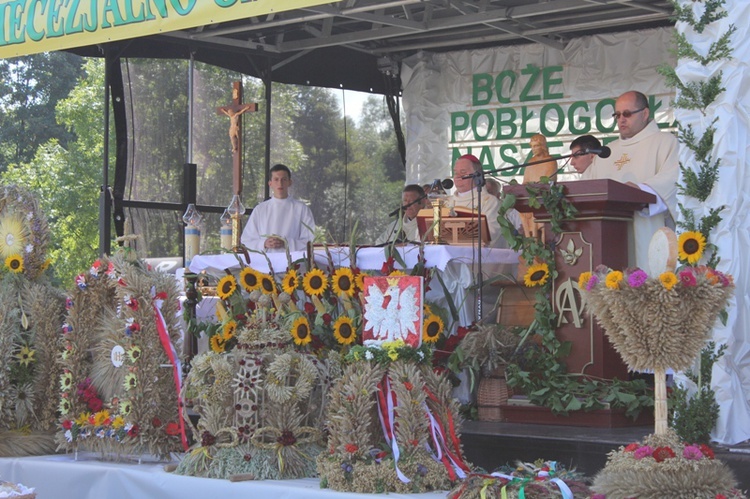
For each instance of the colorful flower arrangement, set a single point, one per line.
(30, 310)
(664, 466)
(538, 480)
(119, 389)
(660, 321)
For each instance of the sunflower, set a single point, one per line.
(64, 406)
(613, 279)
(101, 417)
(25, 356)
(342, 281)
(217, 343)
(134, 354)
(432, 328)
(229, 329)
(267, 285)
(536, 275)
(301, 331)
(131, 381)
(83, 419)
(315, 282)
(290, 282)
(14, 263)
(397, 273)
(13, 235)
(583, 279)
(227, 285)
(359, 280)
(125, 407)
(343, 330)
(690, 246)
(118, 422)
(668, 279)
(250, 279)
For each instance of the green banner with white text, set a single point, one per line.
(33, 26)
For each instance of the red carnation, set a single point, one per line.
(632, 447)
(309, 308)
(67, 424)
(134, 431)
(95, 404)
(663, 453)
(707, 451)
(327, 319)
(172, 429)
(351, 448)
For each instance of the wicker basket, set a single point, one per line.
(492, 393)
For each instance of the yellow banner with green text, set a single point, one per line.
(33, 26)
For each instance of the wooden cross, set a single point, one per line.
(235, 112)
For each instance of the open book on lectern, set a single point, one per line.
(458, 226)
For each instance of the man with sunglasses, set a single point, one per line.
(646, 158)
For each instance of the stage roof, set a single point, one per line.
(358, 44)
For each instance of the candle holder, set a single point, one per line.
(225, 231)
(193, 220)
(235, 210)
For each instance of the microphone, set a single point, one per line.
(404, 207)
(602, 152)
(441, 184)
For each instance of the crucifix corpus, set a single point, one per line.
(235, 111)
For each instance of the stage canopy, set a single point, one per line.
(347, 44)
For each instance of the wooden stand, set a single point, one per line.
(598, 235)
(457, 227)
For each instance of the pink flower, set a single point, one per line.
(637, 278)
(692, 453)
(593, 281)
(687, 278)
(642, 452)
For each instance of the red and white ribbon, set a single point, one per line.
(161, 328)
(386, 409)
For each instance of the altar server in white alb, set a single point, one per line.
(646, 158)
(280, 220)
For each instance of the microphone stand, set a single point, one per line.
(479, 181)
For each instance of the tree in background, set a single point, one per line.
(67, 179)
(30, 88)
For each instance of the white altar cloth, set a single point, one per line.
(368, 258)
(61, 477)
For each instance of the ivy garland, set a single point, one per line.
(541, 372)
(695, 418)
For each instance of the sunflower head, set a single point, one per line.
(301, 331)
(25, 356)
(344, 331)
(536, 275)
(230, 328)
(226, 287)
(432, 328)
(342, 281)
(267, 285)
(250, 279)
(14, 263)
(217, 343)
(290, 282)
(315, 282)
(690, 246)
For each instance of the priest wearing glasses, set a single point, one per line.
(646, 158)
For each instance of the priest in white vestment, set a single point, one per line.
(647, 158)
(465, 196)
(405, 228)
(280, 220)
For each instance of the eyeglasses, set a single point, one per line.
(626, 113)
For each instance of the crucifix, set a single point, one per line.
(235, 111)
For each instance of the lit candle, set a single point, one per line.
(193, 221)
(226, 231)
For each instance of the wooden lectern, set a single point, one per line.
(597, 236)
(458, 226)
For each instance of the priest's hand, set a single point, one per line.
(274, 243)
